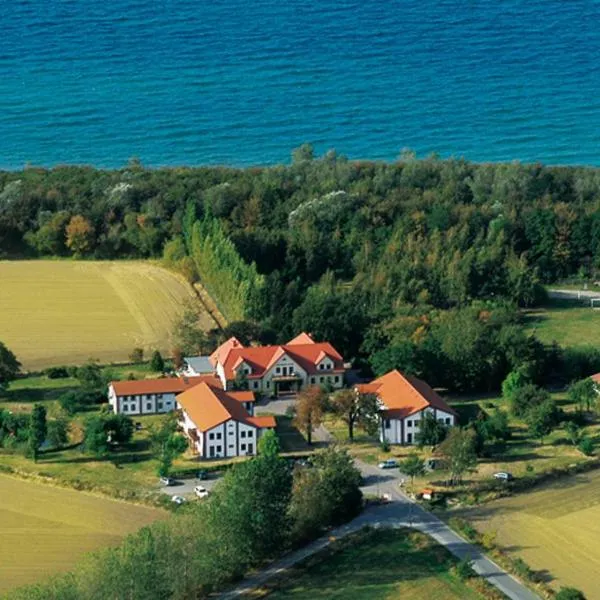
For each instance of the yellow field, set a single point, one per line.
(554, 529)
(44, 529)
(59, 312)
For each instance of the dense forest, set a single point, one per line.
(419, 264)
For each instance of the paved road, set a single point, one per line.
(573, 294)
(401, 512)
(185, 487)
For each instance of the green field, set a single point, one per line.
(568, 322)
(45, 529)
(381, 565)
(555, 529)
(65, 312)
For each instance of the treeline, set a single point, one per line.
(342, 249)
(261, 508)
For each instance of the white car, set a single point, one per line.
(201, 492)
(390, 463)
(178, 500)
(503, 476)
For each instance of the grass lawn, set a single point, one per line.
(44, 529)
(381, 565)
(568, 322)
(65, 312)
(554, 528)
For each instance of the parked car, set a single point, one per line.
(178, 500)
(503, 476)
(390, 463)
(202, 474)
(138, 426)
(166, 481)
(201, 492)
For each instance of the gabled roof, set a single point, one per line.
(301, 339)
(263, 358)
(208, 406)
(221, 353)
(161, 385)
(403, 395)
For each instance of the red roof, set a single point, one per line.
(161, 385)
(303, 338)
(220, 354)
(208, 406)
(595, 377)
(403, 396)
(262, 358)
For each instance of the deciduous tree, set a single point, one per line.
(459, 451)
(413, 466)
(80, 235)
(309, 410)
(584, 394)
(356, 409)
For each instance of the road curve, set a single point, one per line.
(401, 512)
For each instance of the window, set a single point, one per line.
(125, 407)
(218, 436)
(243, 447)
(268, 384)
(256, 385)
(243, 434)
(320, 379)
(211, 436)
(160, 406)
(250, 448)
(219, 448)
(277, 370)
(321, 366)
(247, 371)
(212, 451)
(336, 378)
(250, 433)
(387, 423)
(148, 406)
(409, 423)
(148, 397)
(312, 380)
(231, 445)
(448, 420)
(159, 396)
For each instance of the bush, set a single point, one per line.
(137, 355)
(464, 569)
(385, 446)
(569, 593)
(586, 446)
(56, 372)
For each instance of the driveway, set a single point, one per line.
(185, 487)
(400, 512)
(277, 406)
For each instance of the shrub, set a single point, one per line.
(137, 355)
(464, 569)
(385, 446)
(569, 593)
(56, 372)
(586, 446)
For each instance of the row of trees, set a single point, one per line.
(261, 508)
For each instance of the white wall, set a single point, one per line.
(144, 404)
(230, 439)
(396, 435)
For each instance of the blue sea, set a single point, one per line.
(243, 82)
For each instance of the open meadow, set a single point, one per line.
(554, 528)
(65, 312)
(44, 529)
(381, 565)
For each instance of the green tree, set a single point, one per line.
(459, 451)
(252, 525)
(167, 444)
(95, 437)
(527, 398)
(190, 339)
(586, 446)
(513, 383)
(9, 366)
(569, 593)
(309, 410)
(92, 376)
(38, 430)
(413, 466)
(583, 393)
(542, 418)
(119, 428)
(268, 444)
(356, 409)
(157, 363)
(240, 383)
(431, 431)
(573, 432)
(58, 432)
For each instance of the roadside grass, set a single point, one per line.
(380, 564)
(567, 322)
(46, 530)
(66, 312)
(554, 527)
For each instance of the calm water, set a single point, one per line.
(245, 81)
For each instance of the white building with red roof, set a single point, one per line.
(276, 370)
(403, 402)
(151, 396)
(220, 424)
